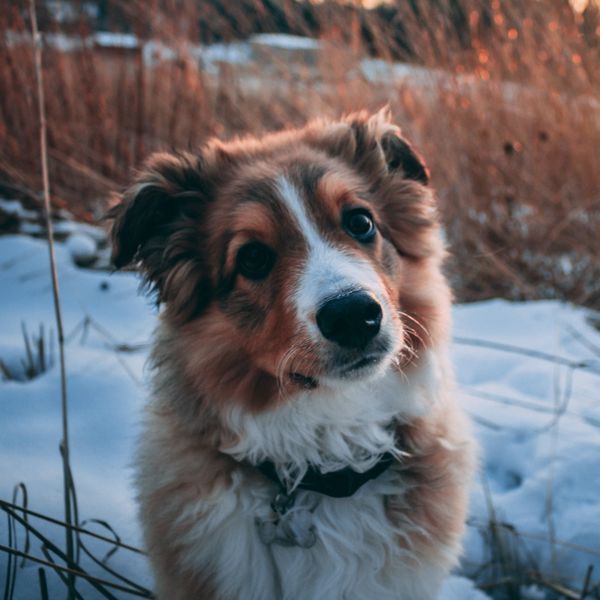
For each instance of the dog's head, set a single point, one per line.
(306, 258)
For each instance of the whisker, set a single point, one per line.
(417, 323)
(282, 369)
(408, 346)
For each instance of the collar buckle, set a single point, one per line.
(283, 502)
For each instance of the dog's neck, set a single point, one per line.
(331, 429)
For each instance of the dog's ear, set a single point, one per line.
(372, 144)
(163, 187)
(399, 154)
(380, 145)
(157, 224)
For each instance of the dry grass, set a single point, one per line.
(509, 119)
(38, 356)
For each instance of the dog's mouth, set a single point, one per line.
(305, 381)
(354, 369)
(361, 365)
(361, 368)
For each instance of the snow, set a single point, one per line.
(232, 53)
(537, 421)
(110, 39)
(82, 248)
(105, 395)
(97, 234)
(155, 52)
(284, 40)
(460, 588)
(65, 12)
(15, 208)
(376, 70)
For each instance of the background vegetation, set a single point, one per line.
(507, 114)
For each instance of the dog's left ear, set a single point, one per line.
(377, 137)
(372, 144)
(399, 154)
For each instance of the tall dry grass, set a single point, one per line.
(508, 114)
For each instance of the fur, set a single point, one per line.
(242, 373)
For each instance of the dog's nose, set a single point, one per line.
(352, 320)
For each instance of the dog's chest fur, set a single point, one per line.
(357, 553)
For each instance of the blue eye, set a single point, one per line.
(360, 225)
(255, 260)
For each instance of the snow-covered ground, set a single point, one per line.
(538, 422)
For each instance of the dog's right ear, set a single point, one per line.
(166, 184)
(158, 225)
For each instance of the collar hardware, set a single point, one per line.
(336, 484)
(283, 502)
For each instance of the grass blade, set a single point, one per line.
(29, 364)
(43, 584)
(60, 570)
(81, 530)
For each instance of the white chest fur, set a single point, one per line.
(356, 554)
(336, 428)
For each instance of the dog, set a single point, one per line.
(303, 439)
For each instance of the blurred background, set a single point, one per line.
(502, 98)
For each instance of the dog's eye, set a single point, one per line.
(359, 224)
(255, 260)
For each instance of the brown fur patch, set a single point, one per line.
(196, 470)
(437, 471)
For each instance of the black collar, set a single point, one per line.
(337, 484)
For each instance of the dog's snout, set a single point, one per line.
(351, 320)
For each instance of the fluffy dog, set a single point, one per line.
(302, 440)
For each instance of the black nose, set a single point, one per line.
(351, 320)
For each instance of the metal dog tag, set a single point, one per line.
(294, 528)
